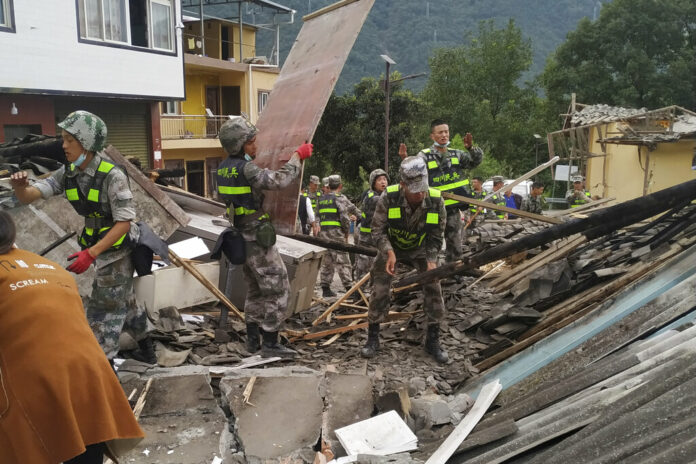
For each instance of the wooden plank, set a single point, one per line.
(342, 299)
(327, 9)
(311, 70)
(337, 336)
(150, 187)
(206, 283)
(517, 212)
(564, 250)
(485, 398)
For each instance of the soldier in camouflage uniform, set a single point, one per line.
(578, 196)
(534, 202)
(313, 193)
(241, 184)
(407, 226)
(378, 182)
(334, 212)
(497, 199)
(446, 173)
(99, 191)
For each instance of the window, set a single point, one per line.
(263, 99)
(6, 16)
(170, 107)
(138, 23)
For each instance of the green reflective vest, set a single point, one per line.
(368, 210)
(328, 212)
(447, 177)
(98, 221)
(500, 201)
(400, 235)
(235, 190)
(579, 201)
(476, 196)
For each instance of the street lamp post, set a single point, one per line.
(537, 141)
(389, 62)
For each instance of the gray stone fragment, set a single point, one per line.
(432, 408)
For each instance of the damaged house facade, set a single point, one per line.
(626, 153)
(116, 59)
(224, 76)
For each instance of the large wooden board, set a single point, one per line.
(300, 95)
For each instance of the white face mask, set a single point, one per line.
(80, 159)
(442, 146)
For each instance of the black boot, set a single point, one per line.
(271, 348)
(146, 351)
(372, 345)
(432, 344)
(253, 341)
(326, 292)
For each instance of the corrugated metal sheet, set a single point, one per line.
(299, 97)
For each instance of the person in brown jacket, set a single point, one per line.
(59, 398)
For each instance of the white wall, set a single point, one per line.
(44, 55)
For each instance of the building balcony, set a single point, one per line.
(190, 131)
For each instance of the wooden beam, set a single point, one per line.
(338, 302)
(327, 9)
(334, 244)
(178, 261)
(517, 212)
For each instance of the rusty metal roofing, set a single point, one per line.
(300, 95)
(593, 114)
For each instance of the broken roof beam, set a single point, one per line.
(600, 223)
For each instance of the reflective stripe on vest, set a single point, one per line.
(91, 205)
(578, 202)
(450, 178)
(404, 239)
(328, 212)
(235, 190)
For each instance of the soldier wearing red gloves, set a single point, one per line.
(99, 192)
(241, 184)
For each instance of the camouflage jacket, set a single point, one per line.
(415, 220)
(345, 208)
(118, 199)
(533, 204)
(262, 179)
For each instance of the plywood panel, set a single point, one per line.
(300, 95)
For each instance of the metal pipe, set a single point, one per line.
(386, 121)
(241, 33)
(202, 29)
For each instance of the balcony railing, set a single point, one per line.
(190, 126)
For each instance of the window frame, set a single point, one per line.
(82, 13)
(261, 93)
(8, 10)
(165, 107)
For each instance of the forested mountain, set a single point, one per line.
(408, 30)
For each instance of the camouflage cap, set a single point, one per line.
(314, 179)
(497, 179)
(334, 181)
(414, 174)
(87, 128)
(234, 133)
(325, 181)
(375, 174)
(576, 179)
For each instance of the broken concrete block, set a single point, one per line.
(348, 400)
(432, 408)
(182, 422)
(284, 418)
(416, 386)
(395, 400)
(170, 358)
(459, 404)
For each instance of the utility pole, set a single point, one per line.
(389, 62)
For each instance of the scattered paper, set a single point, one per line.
(190, 248)
(216, 460)
(380, 435)
(191, 318)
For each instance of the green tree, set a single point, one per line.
(639, 53)
(475, 88)
(350, 137)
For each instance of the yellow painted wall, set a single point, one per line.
(195, 155)
(248, 42)
(195, 92)
(669, 165)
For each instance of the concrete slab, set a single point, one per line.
(182, 422)
(284, 419)
(348, 400)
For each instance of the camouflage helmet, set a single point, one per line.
(325, 181)
(375, 174)
(87, 128)
(414, 174)
(314, 180)
(236, 132)
(334, 181)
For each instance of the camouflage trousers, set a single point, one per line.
(380, 299)
(112, 308)
(335, 260)
(453, 235)
(363, 263)
(268, 287)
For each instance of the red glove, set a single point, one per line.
(82, 263)
(305, 150)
